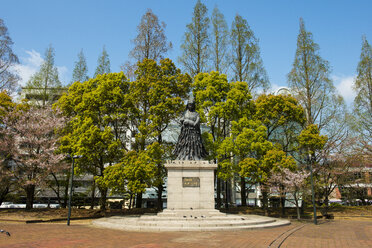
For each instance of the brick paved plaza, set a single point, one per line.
(335, 233)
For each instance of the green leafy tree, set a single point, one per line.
(80, 72)
(6, 104)
(8, 79)
(98, 110)
(363, 100)
(195, 46)
(133, 174)
(45, 82)
(311, 143)
(157, 95)
(219, 103)
(257, 157)
(219, 41)
(150, 42)
(283, 117)
(247, 64)
(103, 63)
(210, 92)
(238, 105)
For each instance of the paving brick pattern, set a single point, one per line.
(337, 233)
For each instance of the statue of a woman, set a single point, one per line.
(190, 145)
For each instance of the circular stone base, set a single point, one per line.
(189, 223)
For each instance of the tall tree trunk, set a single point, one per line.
(102, 200)
(282, 200)
(57, 191)
(93, 196)
(218, 193)
(139, 200)
(227, 194)
(265, 202)
(67, 184)
(302, 209)
(130, 201)
(326, 203)
(160, 202)
(297, 207)
(133, 200)
(30, 193)
(243, 192)
(3, 194)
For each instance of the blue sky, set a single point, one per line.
(70, 26)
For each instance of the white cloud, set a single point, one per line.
(29, 65)
(344, 86)
(34, 58)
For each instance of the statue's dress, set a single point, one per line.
(190, 145)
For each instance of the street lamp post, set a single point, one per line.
(71, 181)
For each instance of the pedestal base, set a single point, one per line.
(190, 185)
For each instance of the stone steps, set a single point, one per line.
(199, 224)
(202, 213)
(156, 223)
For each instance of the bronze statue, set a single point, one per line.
(190, 145)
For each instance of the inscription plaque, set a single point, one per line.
(190, 182)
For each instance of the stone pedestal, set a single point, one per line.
(190, 185)
(190, 205)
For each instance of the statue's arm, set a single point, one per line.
(197, 121)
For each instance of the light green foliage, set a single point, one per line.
(239, 101)
(133, 174)
(46, 82)
(247, 64)
(210, 92)
(260, 170)
(97, 130)
(6, 104)
(283, 118)
(103, 64)
(257, 157)
(219, 104)
(250, 138)
(158, 152)
(80, 72)
(157, 96)
(311, 140)
(219, 42)
(195, 44)
(209, 89)
(247, 140)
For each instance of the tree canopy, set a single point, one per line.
(195, 44)
(8, 79)
(150, 42)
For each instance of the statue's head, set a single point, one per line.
(191, 104)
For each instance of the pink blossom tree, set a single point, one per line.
(291, 182)
(30, 141)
